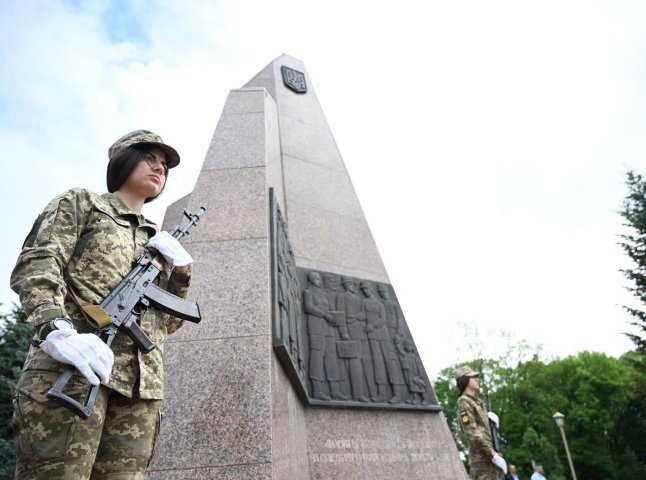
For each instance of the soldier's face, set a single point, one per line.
(149, 176)
(474, 383)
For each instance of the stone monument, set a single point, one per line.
(303, 366)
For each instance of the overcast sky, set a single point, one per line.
(487, 141)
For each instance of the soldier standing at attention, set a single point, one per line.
(486, 463)
(84, 244)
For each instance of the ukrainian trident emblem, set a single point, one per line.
(294, 79)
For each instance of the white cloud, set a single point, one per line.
(487, 142)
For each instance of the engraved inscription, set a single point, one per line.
(367, 451)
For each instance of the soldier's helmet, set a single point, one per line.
(144, 137)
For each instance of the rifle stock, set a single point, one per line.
(83, 410)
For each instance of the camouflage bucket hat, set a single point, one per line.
(147, 138)
(465, 372)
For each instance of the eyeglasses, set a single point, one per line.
(153, 163)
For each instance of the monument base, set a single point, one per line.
(347, 444)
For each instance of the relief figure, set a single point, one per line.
(354, 351)
(413, 373)
(394, 325)
(321, 323)
(377, 337)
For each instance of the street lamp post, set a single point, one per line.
(559, 418)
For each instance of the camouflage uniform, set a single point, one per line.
(474, 423)
(88, 242)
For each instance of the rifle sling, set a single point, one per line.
(95, 315)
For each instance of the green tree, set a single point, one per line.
(596, 391)
(628, 443)
(604, 423)
(634, 244)
(15, 336)
(633, 426)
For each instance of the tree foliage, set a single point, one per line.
(597, 394)
(634, 244)
(15, 336)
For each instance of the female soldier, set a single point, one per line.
(473, 418)
(78, 250)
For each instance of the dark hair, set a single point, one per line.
(462, 383)
(121, 166)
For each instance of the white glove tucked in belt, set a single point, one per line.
(171, 249)
(87, 352)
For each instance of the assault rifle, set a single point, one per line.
(124, 307)
(498, 441)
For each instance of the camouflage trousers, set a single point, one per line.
(485, 471)
(115, 443)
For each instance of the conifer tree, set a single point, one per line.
(634, 244)
(15, 335)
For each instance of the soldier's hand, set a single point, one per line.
(494, 418)
(500, 463)
(170, 248)
(87, 352)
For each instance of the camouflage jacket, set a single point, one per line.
(88, 242)
(474, 423)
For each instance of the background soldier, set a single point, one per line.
(473, 418)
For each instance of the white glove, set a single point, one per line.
(87, 352)
(171, 249)
(494, 418)
(500, 463)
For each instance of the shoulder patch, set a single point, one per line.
(464, 418)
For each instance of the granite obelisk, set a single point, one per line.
(289, 376)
